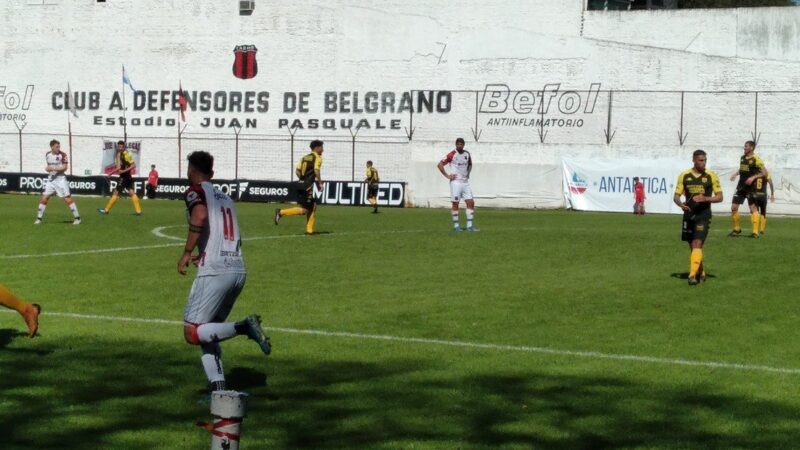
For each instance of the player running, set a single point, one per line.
(28, 311)
(460, 162)
(308, 170)
(57, 165)
(214, 231)
(125, 166)
(699, 188)
(372, 181)
(638, 197)
(751, 168)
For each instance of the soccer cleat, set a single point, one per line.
(755, 236)
(735, 233)
(31, 316)
(277, 215)
(457, 230)
(254, 332)
(693, 281)
(102, 211)
(138, 214)
(77, 221)
(473, 229)
(38, 222)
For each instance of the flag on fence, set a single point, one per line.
(71, 102)
(182, 101)
(126, 80)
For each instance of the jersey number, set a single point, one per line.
(759, 183)
(227, 223)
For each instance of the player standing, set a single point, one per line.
(125, 164)
(57, 165)
(638, 196)
(751, 168)
(460, 162)
(152, 182)
(700, 188)
(214, 231)
(372, 181)
(28, 311)
(759, 197)
(308, 170)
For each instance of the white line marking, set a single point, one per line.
(467, 344)
(87, 252)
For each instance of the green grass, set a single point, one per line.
(559, 280)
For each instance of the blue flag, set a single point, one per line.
(126, 80)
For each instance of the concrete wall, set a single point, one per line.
(397, 47)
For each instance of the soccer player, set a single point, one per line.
(57, 165)
(28, 311)
(751, 168)
(372, 186)
(638, 196)
(308, 170)
(152, 182)
(214, 231)
(460, 162)
(699, 188)
(125, 165)
(759, 197)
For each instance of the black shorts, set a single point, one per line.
(695, 226)
(743, 192)
(761, 203)
(372, 191)
(124, 183)
(305, 197)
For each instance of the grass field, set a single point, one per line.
(548, 329)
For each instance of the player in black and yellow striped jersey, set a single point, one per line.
(308, 170)
(372, 181)
(759, 198)
(751, 168)
(125, 166)
(699, 188)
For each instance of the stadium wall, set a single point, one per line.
(526, 83)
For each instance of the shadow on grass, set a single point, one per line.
(90, 392)
(685, 275)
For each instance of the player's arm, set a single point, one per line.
(771, 189)
(762, 172)
(198, 220)
(678, 193)
(469, 166)
(318, 171)
(444, 162)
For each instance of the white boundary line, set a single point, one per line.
(473, 345)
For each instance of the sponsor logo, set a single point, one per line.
(614, 184)
(14, 102)
(500, 99)
(577, 185)
(32, 182)
(268, 191)
(245, 65)
(82, 185)
(3, 182)
(171, 188)
(355, 193)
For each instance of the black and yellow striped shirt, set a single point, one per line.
(691, 183)
(372, 176)
(306, 167)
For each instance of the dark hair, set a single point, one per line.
(698, 153)
(54, 142)
(459, 141)
(121, 142)
(750, 143)
(635, 178)
(203, 162)
(153, 166)
(315, 143)
(369, 162)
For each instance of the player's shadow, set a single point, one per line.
(7, 336)
(685, 275)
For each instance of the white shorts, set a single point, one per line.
(58, 186)
(212, 297)
(460, 190)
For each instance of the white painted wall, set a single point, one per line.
(397, 46)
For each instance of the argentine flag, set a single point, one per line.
(126, 80)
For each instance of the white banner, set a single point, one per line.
(607, 185)
(110, 152)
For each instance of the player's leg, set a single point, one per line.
(466, 194)
(137, 206)
(62, 189)
(302, 199)
(738, 199)
(373, 198)
(696, 261)
(111, 201)
(762, 209)
(755, 217)
(28, 311)
(43, 204)
(311, 218)
(455, 198)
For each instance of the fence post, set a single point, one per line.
(19, 130)
(291, 160)
(236, 162)
(353, 154)
(180, 132)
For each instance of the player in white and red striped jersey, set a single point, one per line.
(57, 165)
(214, 231)
(460, 162)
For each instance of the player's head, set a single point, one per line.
(55, 145)
(699, 160)
(201, 167)
(635, 179)
(369, 163)
(152, 167)
(120, 146)
(460, 144)
(316, 146)
(749, 147)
